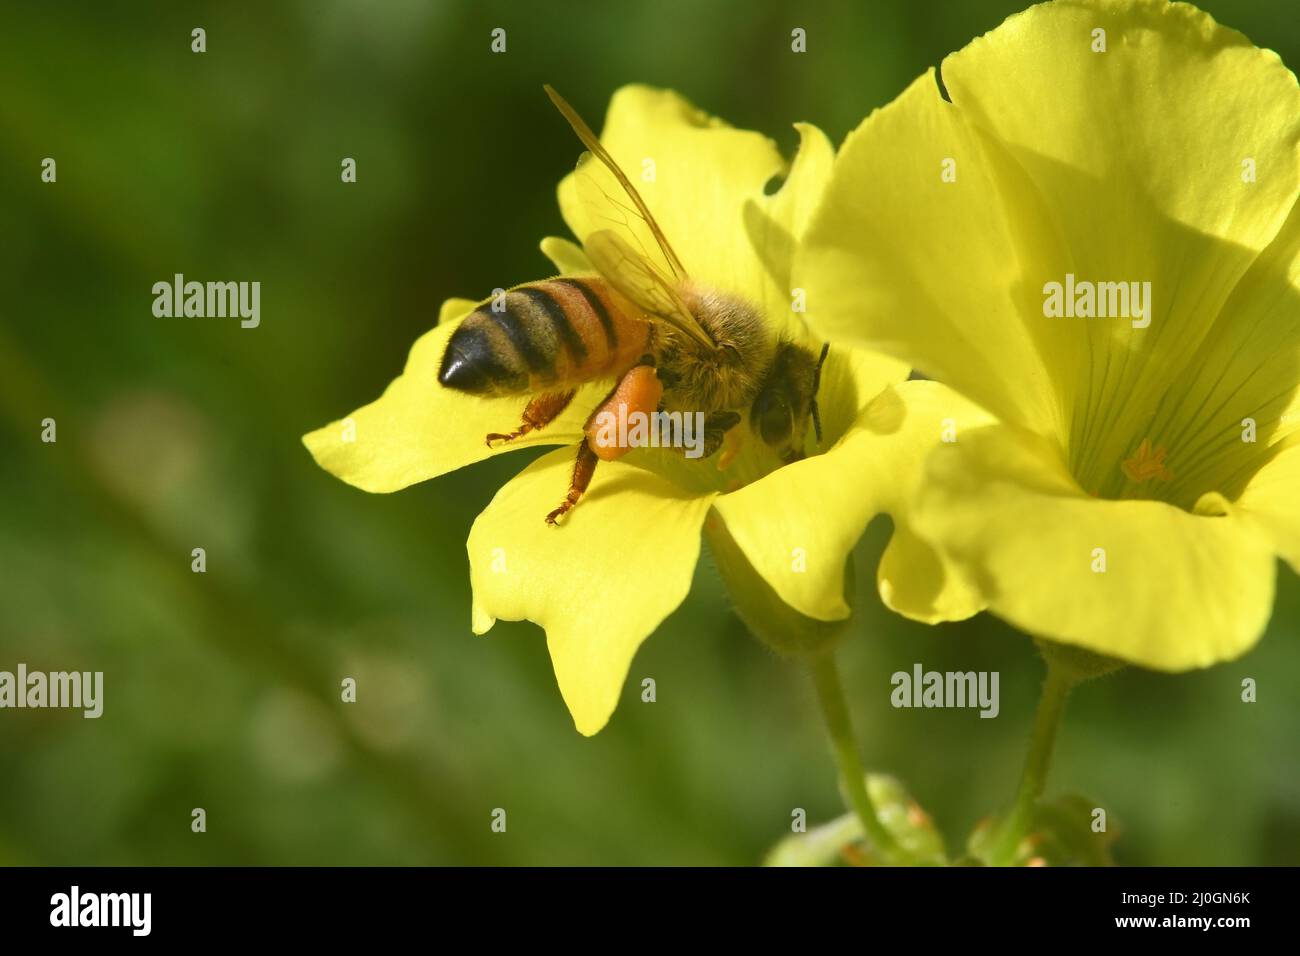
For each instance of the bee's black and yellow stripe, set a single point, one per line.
(543, 335)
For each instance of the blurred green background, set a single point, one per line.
(222, 689)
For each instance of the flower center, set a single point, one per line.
(1177, 471)
(1147, 463)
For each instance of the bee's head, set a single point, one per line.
(787, 401)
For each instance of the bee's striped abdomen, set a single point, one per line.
(545, 334)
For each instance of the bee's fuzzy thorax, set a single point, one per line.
(728, 378)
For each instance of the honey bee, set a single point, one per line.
(671, 344)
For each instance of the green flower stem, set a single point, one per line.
(1051, 706)
(830, 694)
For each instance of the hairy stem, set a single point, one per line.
(1051, 706)
(830, 694)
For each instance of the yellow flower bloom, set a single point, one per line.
(624, 558)
(1095, 237)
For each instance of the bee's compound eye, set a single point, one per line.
(771, 418)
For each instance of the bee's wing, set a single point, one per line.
(639, 208)
(609, 208)
(636, 277)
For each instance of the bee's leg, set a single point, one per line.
(637, 392)
(538, 413)
(732, 442)
(718, 427)
(583, 468)
(721, 431)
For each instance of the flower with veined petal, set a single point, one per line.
(1144, 473)
(624, 558)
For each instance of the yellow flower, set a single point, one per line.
(1096, 238)
(623, 559)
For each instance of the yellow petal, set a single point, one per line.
(1142, 581)
(455, 309)
(900, 261)
(419, 429)
(1246, 373)
(798, 525)
(704, 183)
(1273, 498)
(568, 257)
(924, 584)
(1118, 166)
(599, 584)
(775, 226)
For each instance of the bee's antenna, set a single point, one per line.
(817, 381)
(821, 360)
